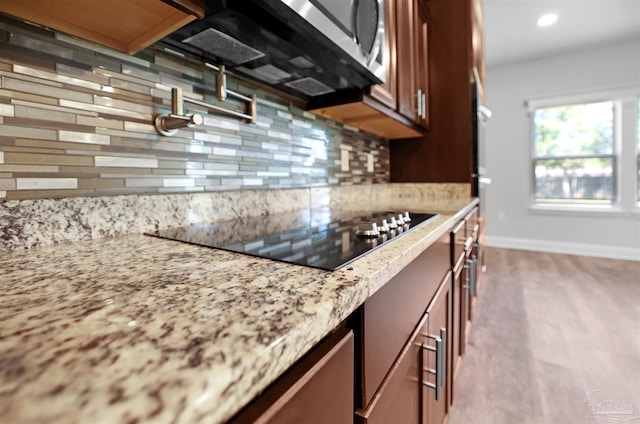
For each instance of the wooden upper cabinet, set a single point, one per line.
(407, 89)
(124, 25)
(387, 93)
(444, 154)
(478, 44)
(413, 61)
(379, 109)
(422, 62)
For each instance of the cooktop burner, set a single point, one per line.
(318, 238)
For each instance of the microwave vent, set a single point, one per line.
(223, 46)
(267, 73)
(302, 62)
(310, 86)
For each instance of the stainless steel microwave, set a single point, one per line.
(307, 48)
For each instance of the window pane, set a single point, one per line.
(574, 130)
(584, 180)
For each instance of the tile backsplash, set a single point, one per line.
(76, 119)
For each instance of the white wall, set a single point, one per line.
(511, 222)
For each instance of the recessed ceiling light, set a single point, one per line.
(547, 20)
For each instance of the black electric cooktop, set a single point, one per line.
(318, 238)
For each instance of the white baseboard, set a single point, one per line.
(611, 252)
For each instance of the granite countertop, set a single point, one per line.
(140, 329)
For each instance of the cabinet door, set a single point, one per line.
(473, 253)
(413, 61)
(399, 397)
(478, 43)
(459, 320)
(389, 317)
(319, 389)
(465, 304)
(481, 251)
(422, 62)
(440, 317)
(473, 223)
(386, 93)
(407, 89)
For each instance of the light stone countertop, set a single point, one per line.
(140, 329)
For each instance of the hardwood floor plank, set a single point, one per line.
(548, 330)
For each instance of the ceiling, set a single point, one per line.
(512, 34)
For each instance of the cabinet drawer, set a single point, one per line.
(460, 243)
(318, 389)
(400, 395)
(404, 396)
(389, 317)
(473, 223)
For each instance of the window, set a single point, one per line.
(574, 157)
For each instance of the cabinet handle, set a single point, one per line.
(424, 106)
(419, 101)
(441, 362)
(480, 255)
(467, 278)
(474, 277)
(471, 277)
(468, 243)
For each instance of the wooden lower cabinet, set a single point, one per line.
(472, 251)
(397, 357)
(385, 322)
(459, 318)
(439, 324)
(318, 389)
(480, 251)
(399, 399)
(468, 270)
(408, 392)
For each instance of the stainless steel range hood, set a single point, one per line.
(304, 48)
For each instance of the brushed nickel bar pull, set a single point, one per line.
(431, 386)
(439, 372)
(468, 243)
(471, 278)
(443, 358)
(480, 255)
(419, 102)
(474, 277)
(467, 277)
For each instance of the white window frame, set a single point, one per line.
(624, 150)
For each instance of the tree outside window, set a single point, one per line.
(573, 158)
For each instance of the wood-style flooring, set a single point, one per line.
(552, 336)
